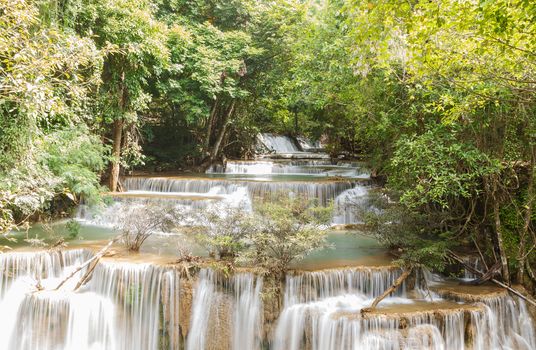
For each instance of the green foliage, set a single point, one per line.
(284, 232)
(222, 229)
(76, 157)
(416, 238)
(273, 237)
(73, 228)
(435, 168)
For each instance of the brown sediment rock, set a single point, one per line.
(417, 309)
(468, 293)
(379, 261)
(185, 305)
(272, 298)
(219, 335)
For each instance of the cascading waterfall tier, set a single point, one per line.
(349, 197)
(137, 291)
(312, 168)
(165, 192)
(304, 287)
(323, 192)
(36, 265)
(322, 312)
(278, 143)
(348, 192)
(226, 313)
(124, 306)
(139, 306)
(336, 324)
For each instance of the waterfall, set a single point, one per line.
(327, 326)
(163, 192)
(317, 285)
(124, 306)
(226, 313)
(278, 143)
(474, 262)
(323, 192)
(321, 312)
(52, 320)
(349, 204)
(136, 290)
(504, 323)
(312, 168)
(336, 323)
(34, 266)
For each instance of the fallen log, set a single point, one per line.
(388, 291)
(485, 277)
(499, 283)
(96, 257)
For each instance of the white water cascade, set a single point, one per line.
(226, 311)
(278, 143)
(124, 306)
(322, 312)
(312, 168)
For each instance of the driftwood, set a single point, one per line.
(95, 259)
(499, 283)
(87, 275)
(388, 291)
(485, 277)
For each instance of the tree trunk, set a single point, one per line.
(216, 148)
(498, 233)
(210, 125)
(526, 225)
(116, 154)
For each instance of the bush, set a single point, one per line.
(139, 222)
(284, 232)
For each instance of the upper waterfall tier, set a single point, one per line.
(311, 168)
(278, 143)
(286, 147)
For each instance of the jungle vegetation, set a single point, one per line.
(438, 96)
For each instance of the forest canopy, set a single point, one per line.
(438, 96)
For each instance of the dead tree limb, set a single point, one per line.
(388, 291)
(96, 257)
(87, 275)
(499, 283)
(480, 252)
(486, 276)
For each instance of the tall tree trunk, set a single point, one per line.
(116, 154)
(118, 135)
(498, 232)
(210, 125)
(217, 145)
(528, 215)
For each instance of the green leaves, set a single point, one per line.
(435, 168)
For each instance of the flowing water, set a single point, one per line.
(133, 302)
(226, 313)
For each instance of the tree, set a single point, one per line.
(222, 229)
(134, 43)
(283, 232)
(47, 77)
(139, 222)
